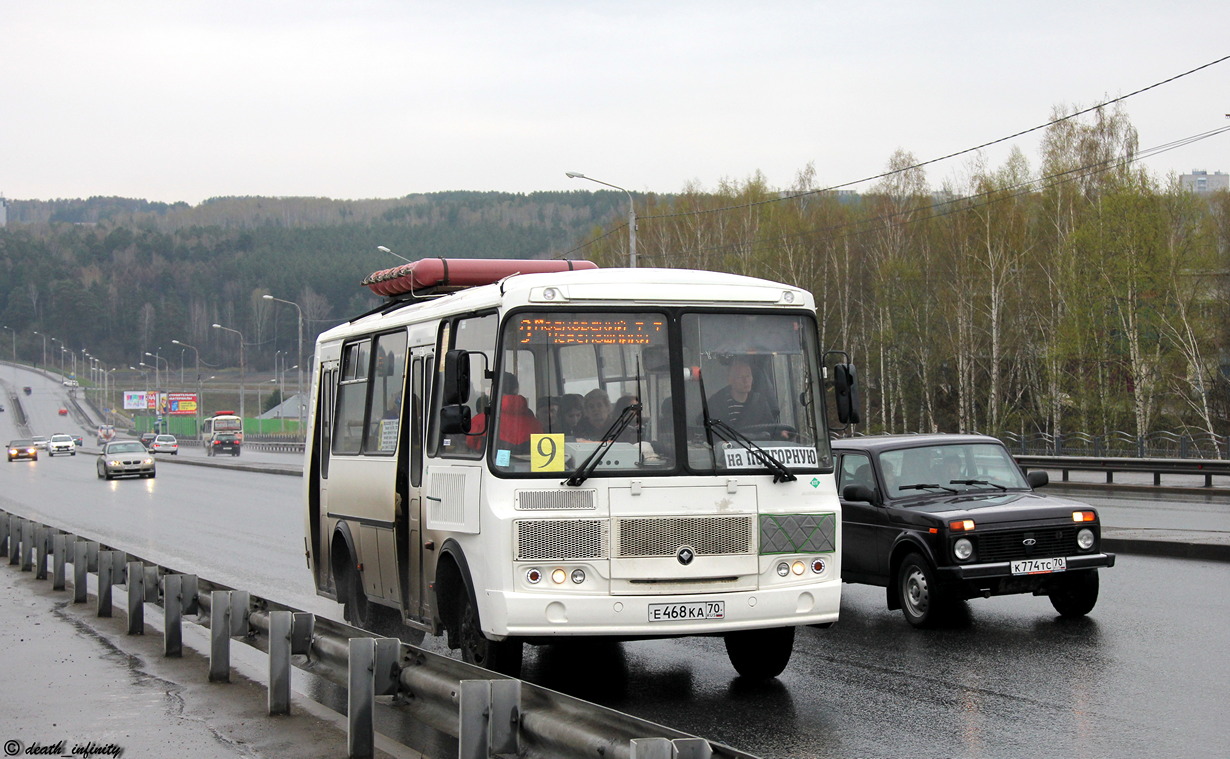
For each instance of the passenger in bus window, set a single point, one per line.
(516, 421)
(560, 413)
(596, 415)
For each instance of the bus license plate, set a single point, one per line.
(695, 610)
(1039, 566)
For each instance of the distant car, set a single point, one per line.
(147, 438)
(1, 407)
(63, 411)
(26, 390)
(938, 519)
(60, 443)
(165, 444)
(224, 442)
(69, 382)
(125, 457)
(40, 441)
(77, 441)
(23, 449)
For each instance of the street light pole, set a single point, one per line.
(199, 399)
(631, 213)
(242, 367)
(299, 375)
(40, 334)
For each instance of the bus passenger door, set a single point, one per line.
(410, 557)
(318, 490)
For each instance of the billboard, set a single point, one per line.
(180, 404)
(137, 400)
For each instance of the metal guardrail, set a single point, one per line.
(1117, 443)
(1157, 467)
(484, 714)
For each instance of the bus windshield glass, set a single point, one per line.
(586, 394)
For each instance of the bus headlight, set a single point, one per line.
(963, 549)
(578, 576)
(783, 569)
(1084, 539)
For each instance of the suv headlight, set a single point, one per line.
(1084, 539)
(963, 549)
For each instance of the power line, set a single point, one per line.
(1021, 133)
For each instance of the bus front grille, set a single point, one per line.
(560, 539)
(647, 537)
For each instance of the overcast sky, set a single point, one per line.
(184, 100)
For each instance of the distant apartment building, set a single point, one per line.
(1204, 182)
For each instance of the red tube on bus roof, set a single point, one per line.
(433, 275)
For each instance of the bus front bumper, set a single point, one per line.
(531, 615)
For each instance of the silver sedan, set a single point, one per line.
(125, 457)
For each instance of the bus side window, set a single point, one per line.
(351, 399)
(476, 334)
(387, 381)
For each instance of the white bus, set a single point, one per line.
(483, 509)
(222, 432)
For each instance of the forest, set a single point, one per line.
(1079, 293)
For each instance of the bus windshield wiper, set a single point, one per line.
(780, 472)
(613, 432)
(977, 482)
(925, 486)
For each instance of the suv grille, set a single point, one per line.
(1011, 544)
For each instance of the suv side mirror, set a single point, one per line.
(1038, 479)
(859, 493)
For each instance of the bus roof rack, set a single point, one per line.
(429, 277)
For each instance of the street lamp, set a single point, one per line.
(299, 375)
(40, 334)
(10, 329)
(199, 399)
(157, 374)
(631, 213)
(242, 366)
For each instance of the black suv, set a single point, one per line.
(937, 519)
(147, 439)
(223, 442)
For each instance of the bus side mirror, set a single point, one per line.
(455, 419)
(456, 387)
(845, 391)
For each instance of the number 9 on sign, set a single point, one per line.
(547, 453)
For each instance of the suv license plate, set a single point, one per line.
(1039, 566)
(686, 611)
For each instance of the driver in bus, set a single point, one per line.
(740, 404)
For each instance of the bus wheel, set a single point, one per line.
(760, 654)
(355, 609)
(498, 656)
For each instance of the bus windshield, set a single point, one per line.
(585, 394)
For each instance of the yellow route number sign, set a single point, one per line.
(547, 453)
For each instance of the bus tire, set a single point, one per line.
(760, 654)
(355, 608)
(503, 656)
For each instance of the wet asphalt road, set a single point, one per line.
(1144, 676)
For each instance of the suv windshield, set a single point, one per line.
(585, 393)
(937, 469)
